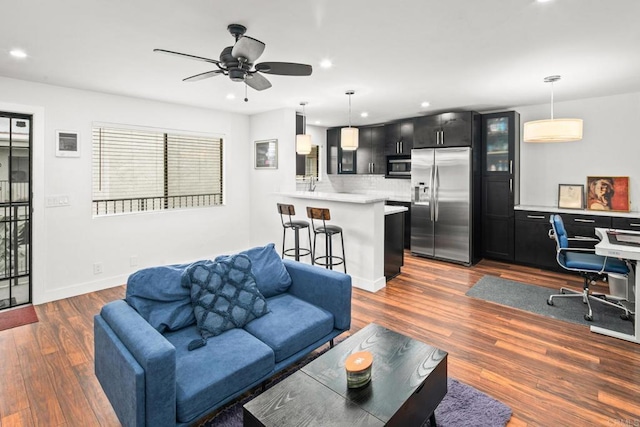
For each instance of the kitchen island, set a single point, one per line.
(362, 218)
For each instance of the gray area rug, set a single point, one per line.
(462, 406)
(534, 299)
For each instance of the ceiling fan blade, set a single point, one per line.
(185, 55)
(202, 76)
(284, 68)
(257, 81)
(248, 47)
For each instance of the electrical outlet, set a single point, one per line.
(97, 268)
(133, 261)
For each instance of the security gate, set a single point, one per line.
(15, 209)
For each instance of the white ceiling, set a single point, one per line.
(456, 54)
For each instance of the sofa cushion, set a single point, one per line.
(271, 275)
(157, 295)
(224, 294)
(291, 325)
(228, 363)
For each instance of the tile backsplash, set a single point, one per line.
(395, 189)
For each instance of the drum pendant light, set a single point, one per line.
(303, 142)
(553, 130)
(349, 136)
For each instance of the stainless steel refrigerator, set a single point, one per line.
(441, 203)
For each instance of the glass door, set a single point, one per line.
(497, 144)
(15, 210)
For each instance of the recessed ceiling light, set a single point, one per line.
(17, 53)
(326, 63)
(364, 114)
(543, 1)
(425, 104)
(317, 122)
(231, 96)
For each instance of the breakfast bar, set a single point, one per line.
(362, 218)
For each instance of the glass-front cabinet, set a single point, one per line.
(500, 183)
(497, 144)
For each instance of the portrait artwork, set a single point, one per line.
(608, 193)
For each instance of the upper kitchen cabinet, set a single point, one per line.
(300, 158)
(444, 130)
(370, 157)
(500, 183)
(339, 161)
(398, 137)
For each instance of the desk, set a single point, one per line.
(629, 253)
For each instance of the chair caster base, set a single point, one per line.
(588, 318)
(549, 302)
(625, 317)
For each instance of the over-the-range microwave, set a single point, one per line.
(398, 166)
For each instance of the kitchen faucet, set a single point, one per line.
(312, 185)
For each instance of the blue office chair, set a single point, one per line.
(589, 265)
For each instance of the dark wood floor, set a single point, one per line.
(551, 373)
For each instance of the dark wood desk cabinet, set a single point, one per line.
(533, 246)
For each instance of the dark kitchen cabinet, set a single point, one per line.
(407, 220)
(300, 158)
(533, 247)
(398, 137)
(339, 161)
(370, 157)
(444, 130)
(500, 183)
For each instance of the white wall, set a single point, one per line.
(610, 147)
(265, 184)
(67, 240)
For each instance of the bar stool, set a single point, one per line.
(329, 260)
(296, 226)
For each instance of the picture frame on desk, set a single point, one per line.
(571, 196)
(608, 193)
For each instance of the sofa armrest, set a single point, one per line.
(154, 354)
(327, 289)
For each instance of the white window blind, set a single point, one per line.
(135, 171)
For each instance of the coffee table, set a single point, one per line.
(408, 381)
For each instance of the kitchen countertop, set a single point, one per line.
(336, 197)
(390, 210)
(633, 214)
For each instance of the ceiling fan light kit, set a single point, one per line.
(237, 62)
(349, 136)
(303, 142)
(553, 130)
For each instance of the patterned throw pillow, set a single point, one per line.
(224, 295)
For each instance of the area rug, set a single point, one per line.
(17, 317)
(534, 299)
(462, 406)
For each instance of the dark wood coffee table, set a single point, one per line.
(408, 381)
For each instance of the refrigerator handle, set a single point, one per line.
(431, 211)
(436, 206)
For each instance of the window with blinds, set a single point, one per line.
(138, 171)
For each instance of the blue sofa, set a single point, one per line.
(152, 378)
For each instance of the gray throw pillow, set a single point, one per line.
(224, 295)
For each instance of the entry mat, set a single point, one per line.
(533, 299)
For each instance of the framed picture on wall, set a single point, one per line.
(571, 196)
(67, 143)
(266, 154)
(608, 193)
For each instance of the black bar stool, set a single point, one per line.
(329, 260)
(296, 226)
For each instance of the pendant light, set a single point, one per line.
(349, 136)
(553, 130)
(303, 142)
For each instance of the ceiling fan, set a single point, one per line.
(237, 62)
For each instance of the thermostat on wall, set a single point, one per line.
(67, 143)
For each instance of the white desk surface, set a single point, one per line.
(627, 252)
